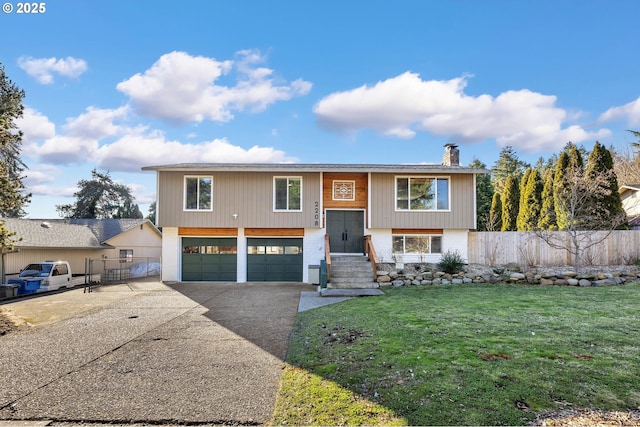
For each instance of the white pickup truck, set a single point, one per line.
(43, 276)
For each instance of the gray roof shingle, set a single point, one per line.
(37, 233)
(105, 229)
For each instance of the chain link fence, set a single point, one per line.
(121, 270)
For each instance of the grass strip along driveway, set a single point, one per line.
(463, 355)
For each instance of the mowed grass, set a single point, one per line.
(463, 355)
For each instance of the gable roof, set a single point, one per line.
(314, 167)
(106, 229)
(37, 233)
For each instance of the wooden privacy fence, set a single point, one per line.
(527, 249)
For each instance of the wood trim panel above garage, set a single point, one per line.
(274, 232)
(198, 231)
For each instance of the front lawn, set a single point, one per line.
(463, 355)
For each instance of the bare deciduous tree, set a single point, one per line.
(585, 228)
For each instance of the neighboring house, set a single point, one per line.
(74, 240)
(630, 195)
(267, 222)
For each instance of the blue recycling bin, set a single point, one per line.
(26, 286)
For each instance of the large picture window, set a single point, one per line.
(287, 193)
(422, 194)
(424, 244)
(198, 193)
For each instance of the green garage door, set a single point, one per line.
(209, 259)
(274, 260)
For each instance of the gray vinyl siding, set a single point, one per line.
(249, 194)
(461, 205)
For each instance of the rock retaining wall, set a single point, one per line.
(427, 274)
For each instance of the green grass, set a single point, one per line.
(463, 355)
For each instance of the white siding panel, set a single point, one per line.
(313, 250)
(382, 243)
(456, 240)
(242, 257)
(171, 249)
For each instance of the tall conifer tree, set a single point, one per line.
(606, 205)
(495, 214)
(570, 160)
(530, 205)
(547, 220)
(510, 204)
(484, 193)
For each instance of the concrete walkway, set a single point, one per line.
(148, 353)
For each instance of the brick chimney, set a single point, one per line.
(451, 155)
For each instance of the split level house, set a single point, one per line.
(274, 222)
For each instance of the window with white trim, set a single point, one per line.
(287, 193)
(421, 193)
(419, 244)
(198, 193)
(126, 255)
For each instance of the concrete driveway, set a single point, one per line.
(148, 353)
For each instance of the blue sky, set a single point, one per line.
(121, 84)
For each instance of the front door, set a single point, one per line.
(346, 231)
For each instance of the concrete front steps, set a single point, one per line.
(351, 272)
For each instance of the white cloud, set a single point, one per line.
(98, 136)
(131, 152)
(42, 69)
(629, 112)
(183, 88)
(402, 105)
(35, 126)
(96, 123)
(63, 150)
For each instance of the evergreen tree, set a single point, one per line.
(507, 164)
(606, 205)
(101, 198)
(484, 193)
(547, 220)
(530, 204)
(521, 203)
(495, 214)
(152, 212)
(510, 204)
(12, 190)
(569, 164)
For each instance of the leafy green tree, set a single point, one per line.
(101, 198)
(606, 205)
(508, 164)
(547, 219)
(510, 204)
(530, 202)
(484, 193)
(12, 191)
(495, 214)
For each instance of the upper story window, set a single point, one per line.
(287, 193)
(422, 193)
(198, 193)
